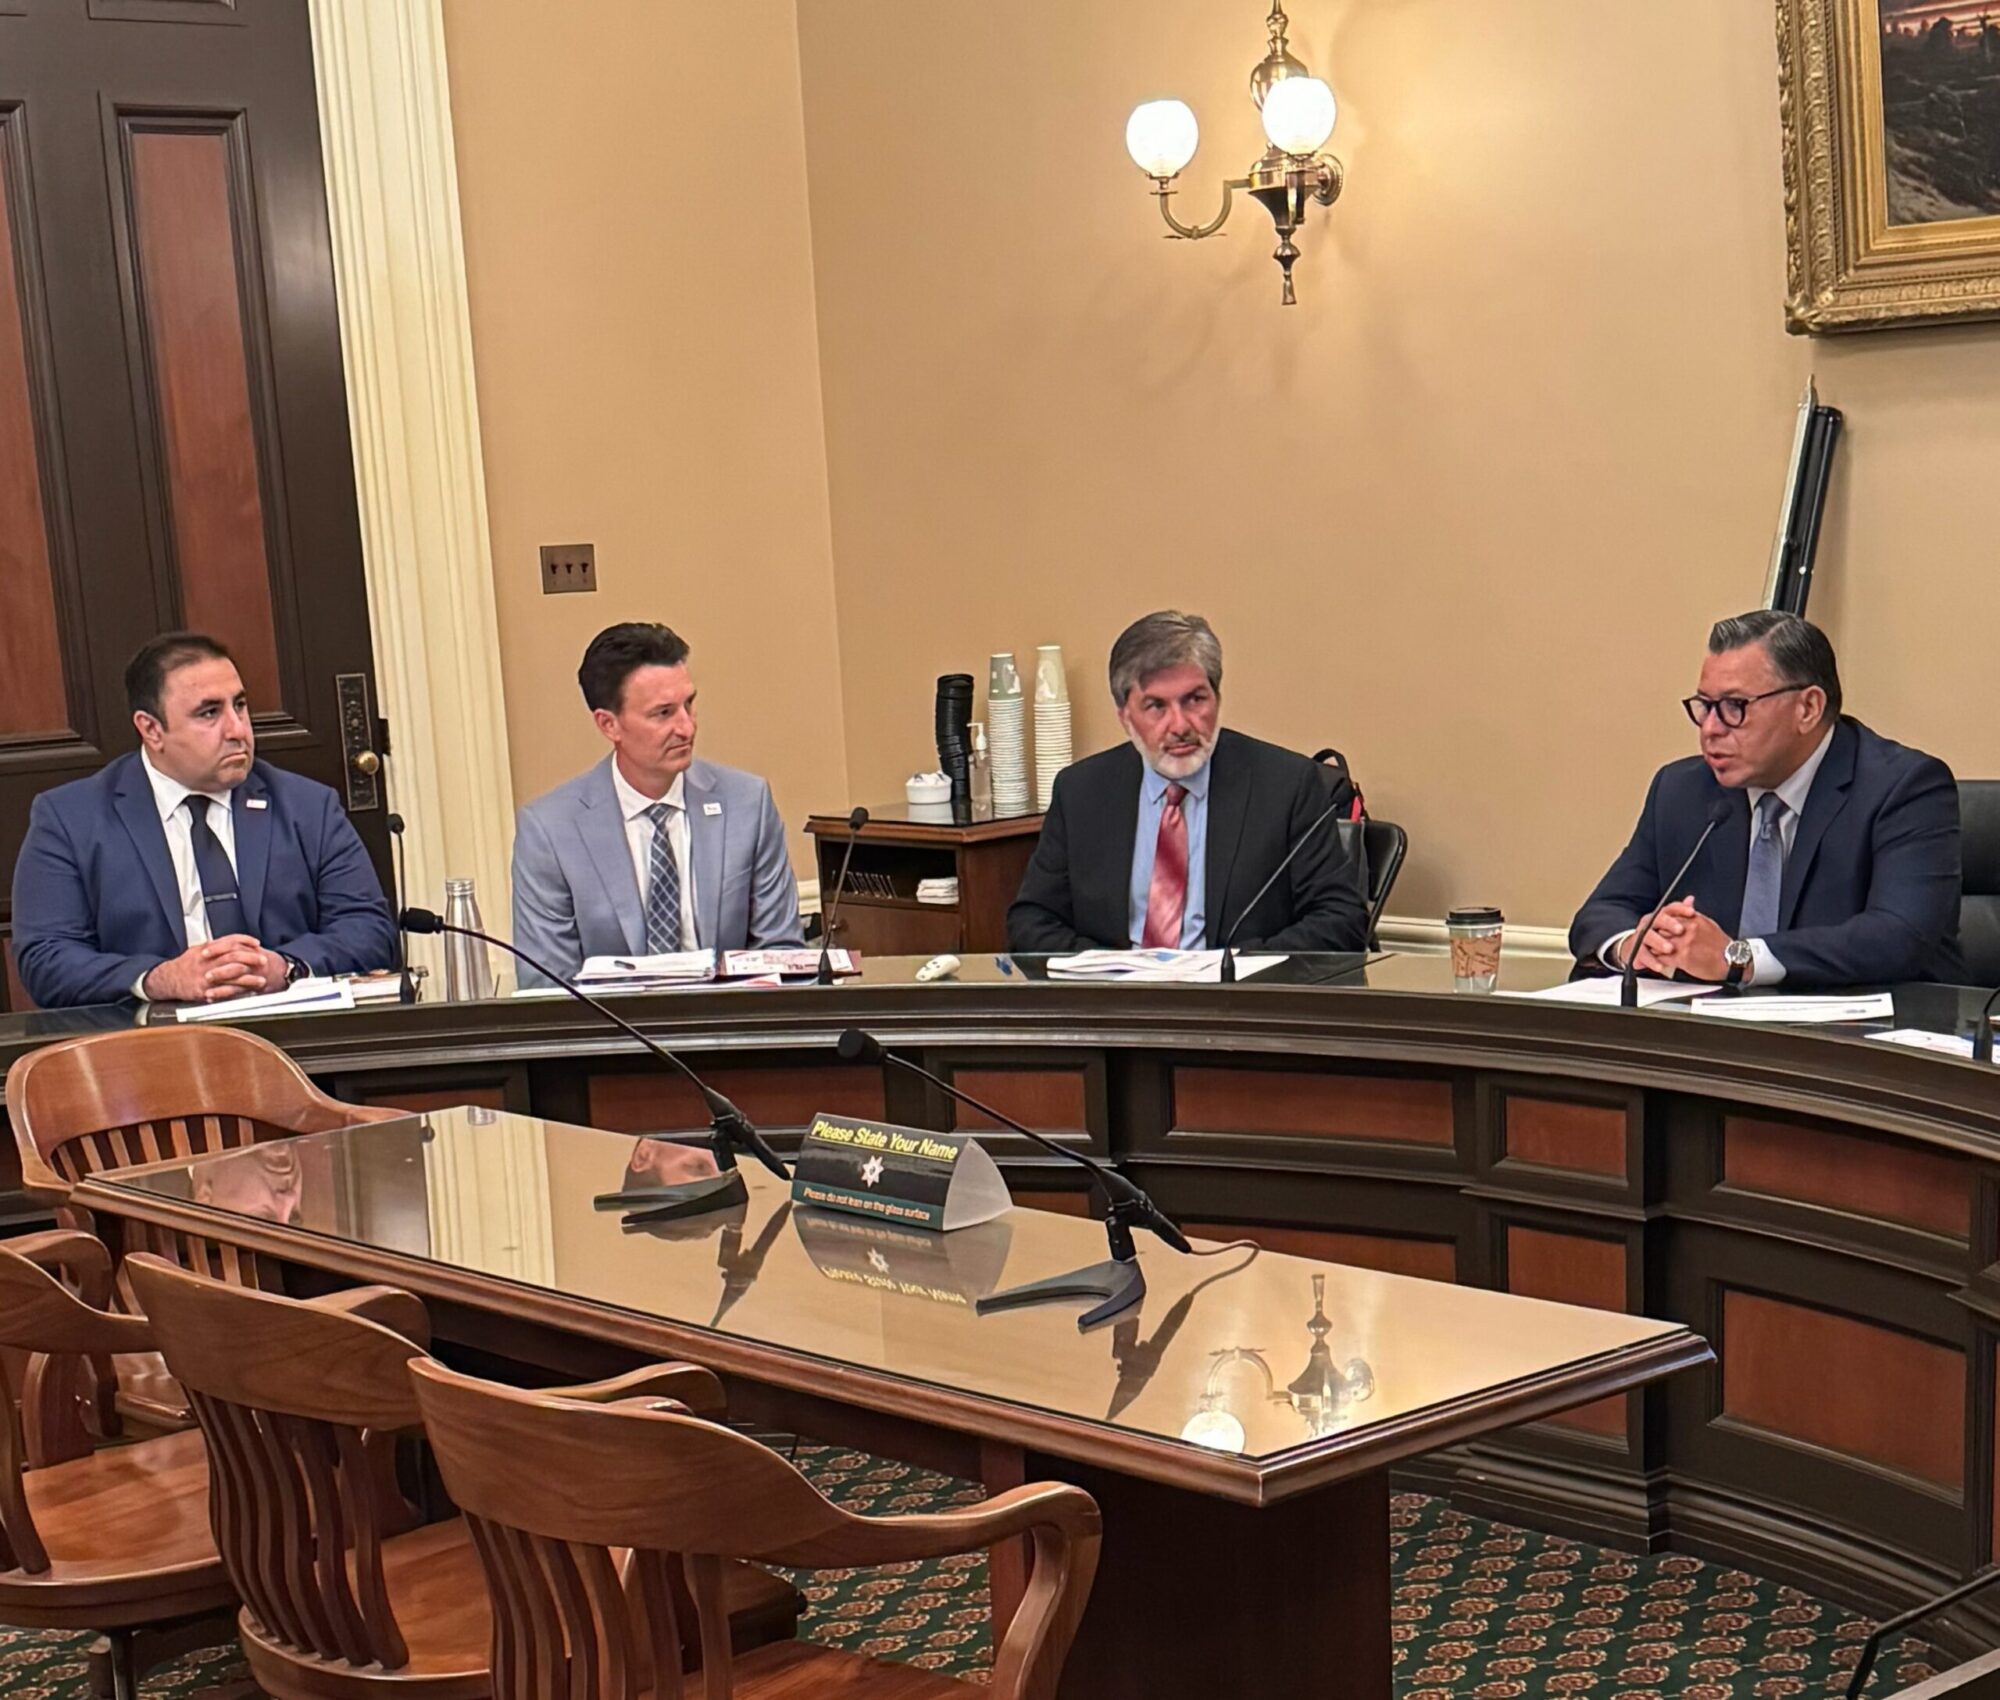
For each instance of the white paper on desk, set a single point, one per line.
(374, 988)
(1160, 966)
(667, 968)
(765, 964)
(1603, 992)
(1917, 1038)
(311, 993)
(1803, 1011)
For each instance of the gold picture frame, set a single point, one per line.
(1889, 218)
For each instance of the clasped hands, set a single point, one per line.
(1680, 939)
(229, 967)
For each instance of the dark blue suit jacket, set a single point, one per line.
(1871, 885)
(96, 905)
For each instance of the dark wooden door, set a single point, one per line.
(173, 421)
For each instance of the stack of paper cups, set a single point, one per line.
(1007, 736)
(1054, 746)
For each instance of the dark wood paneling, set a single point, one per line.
(33, 698)
(17, 994)
(1048, 1100)
(1576, 1270)
(167, 11)
(183, 209)
(1429, 1260)
(1993, 1531)
(1872, 1394)
(1901, 1183)
(1326, 1106)
(1553, 1134)
(893, 929)
(773, 1098)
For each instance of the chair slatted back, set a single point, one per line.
(298, 1402)
(115, 1100)
(50, 1328)
(681, 1495)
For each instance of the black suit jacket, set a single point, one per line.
(1261, 800)
(1871, 885)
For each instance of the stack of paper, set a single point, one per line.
(1604, 991)
(1803, 1011)
(1191, 966)
(937, 891)
(311, 993)
(783, 964)
(646, 973)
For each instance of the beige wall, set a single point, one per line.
(640, 271)
(1468, 508)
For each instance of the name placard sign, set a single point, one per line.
(908, 1176)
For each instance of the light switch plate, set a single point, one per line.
(567, 567)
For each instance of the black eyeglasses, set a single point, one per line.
(1730, 710)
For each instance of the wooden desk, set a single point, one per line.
(1264, 1554)
(987, 858)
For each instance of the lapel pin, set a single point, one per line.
(711, 808)
(256, 802)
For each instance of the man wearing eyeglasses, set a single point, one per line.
(1836, 861)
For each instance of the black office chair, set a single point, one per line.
(1376, 847)
(1979, 894)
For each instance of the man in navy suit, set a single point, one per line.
(191, 871)
(1836, 860)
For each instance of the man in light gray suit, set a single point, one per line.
(651, 850)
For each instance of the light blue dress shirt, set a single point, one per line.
(1152, 805)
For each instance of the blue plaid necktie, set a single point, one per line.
(663, 888)
(218, 879)
(1766, 879)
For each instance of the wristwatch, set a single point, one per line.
(295, 970)
(1738, 954)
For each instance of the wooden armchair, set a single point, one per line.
(113, 1100)
(642, 1481)
(345, 1596)
(114, 1540)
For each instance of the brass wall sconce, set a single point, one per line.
(1299, 113)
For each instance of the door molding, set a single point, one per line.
(413, 408)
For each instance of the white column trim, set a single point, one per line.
(406, 339)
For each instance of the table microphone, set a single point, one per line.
(406, 985)
(1228, 969)
(855, 822)
(1982, 1031)
(1120, 1283)
(1628, 989)
(733, 1132)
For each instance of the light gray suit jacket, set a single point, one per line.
(575, 894)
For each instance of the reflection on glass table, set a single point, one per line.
(1323, 1392)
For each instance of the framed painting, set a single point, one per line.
(1891, 116)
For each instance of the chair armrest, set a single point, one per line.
(85, 1259)
(685, 1384)
(1067, 1511)
(402, 1313)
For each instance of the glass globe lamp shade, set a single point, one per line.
(1299, 114)
(1161, 137)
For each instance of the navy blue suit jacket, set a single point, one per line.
(96, 905)
(1871, 885)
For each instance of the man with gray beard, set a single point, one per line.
(1164, 840)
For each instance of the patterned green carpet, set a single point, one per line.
(1483, 1612)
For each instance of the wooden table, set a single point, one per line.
(1263, 1553)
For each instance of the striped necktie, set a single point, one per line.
(663, 888)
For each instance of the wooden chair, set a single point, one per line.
(113, 1100)
(345, 1596)
(640, 1479)
(114, 1540)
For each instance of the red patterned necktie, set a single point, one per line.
(1166, 898)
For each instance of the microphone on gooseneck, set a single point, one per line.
(734, 1133)
(406, 985)
(1228, 970)
(1628, 990)
(1982, 1031)
(855, 822)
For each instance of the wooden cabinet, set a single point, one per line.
(879, 914)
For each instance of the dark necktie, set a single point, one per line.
(218, 879)
(663, 888)
(1765, 882)
(1166, 898)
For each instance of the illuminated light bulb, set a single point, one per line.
(1299, 114)
(1161, 137)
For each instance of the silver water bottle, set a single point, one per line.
(468, 972)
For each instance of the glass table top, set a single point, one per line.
(1255, 1356)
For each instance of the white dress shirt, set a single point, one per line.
(1765, 968)
(170, 797)
(639, 840)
